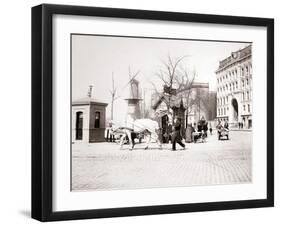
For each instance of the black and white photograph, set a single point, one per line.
(159, 112)
(145, 112)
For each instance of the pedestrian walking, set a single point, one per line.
(176, 135)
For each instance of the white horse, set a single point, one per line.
(146, 127)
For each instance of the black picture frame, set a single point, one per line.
(42, 107)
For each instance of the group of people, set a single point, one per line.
(224, 125)
(174, 132)
(240, 125)
(200, 131)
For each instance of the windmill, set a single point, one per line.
(134, 96)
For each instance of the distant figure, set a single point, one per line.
(219, 125)
(211, 129)
(203, 127)
(226, 126)
(194, 133)
(170, 131)
(176, 135)
(199, 126)
(109, 134)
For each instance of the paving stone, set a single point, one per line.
(103, 166)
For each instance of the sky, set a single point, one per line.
(96, 58)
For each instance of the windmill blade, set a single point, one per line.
(131, 78)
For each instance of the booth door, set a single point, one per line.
(79, 125)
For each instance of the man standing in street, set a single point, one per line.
(176, 136)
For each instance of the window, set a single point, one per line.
(249, 108)
(243, 96)
(97, 119)
(236, 85)
(244, 107)
(247, 82)
(224, 111)
(247, 96)
(243, 83)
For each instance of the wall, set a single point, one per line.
(97, 134)
(15, 117)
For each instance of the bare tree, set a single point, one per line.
(169, 73)
(185, 83)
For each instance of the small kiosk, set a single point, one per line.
(88, 120)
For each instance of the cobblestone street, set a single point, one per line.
(102, 166)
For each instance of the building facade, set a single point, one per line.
(234, 88)
(88, 120)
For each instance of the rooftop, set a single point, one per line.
(235, 57)
(87, 101)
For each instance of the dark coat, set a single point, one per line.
(177, 131)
